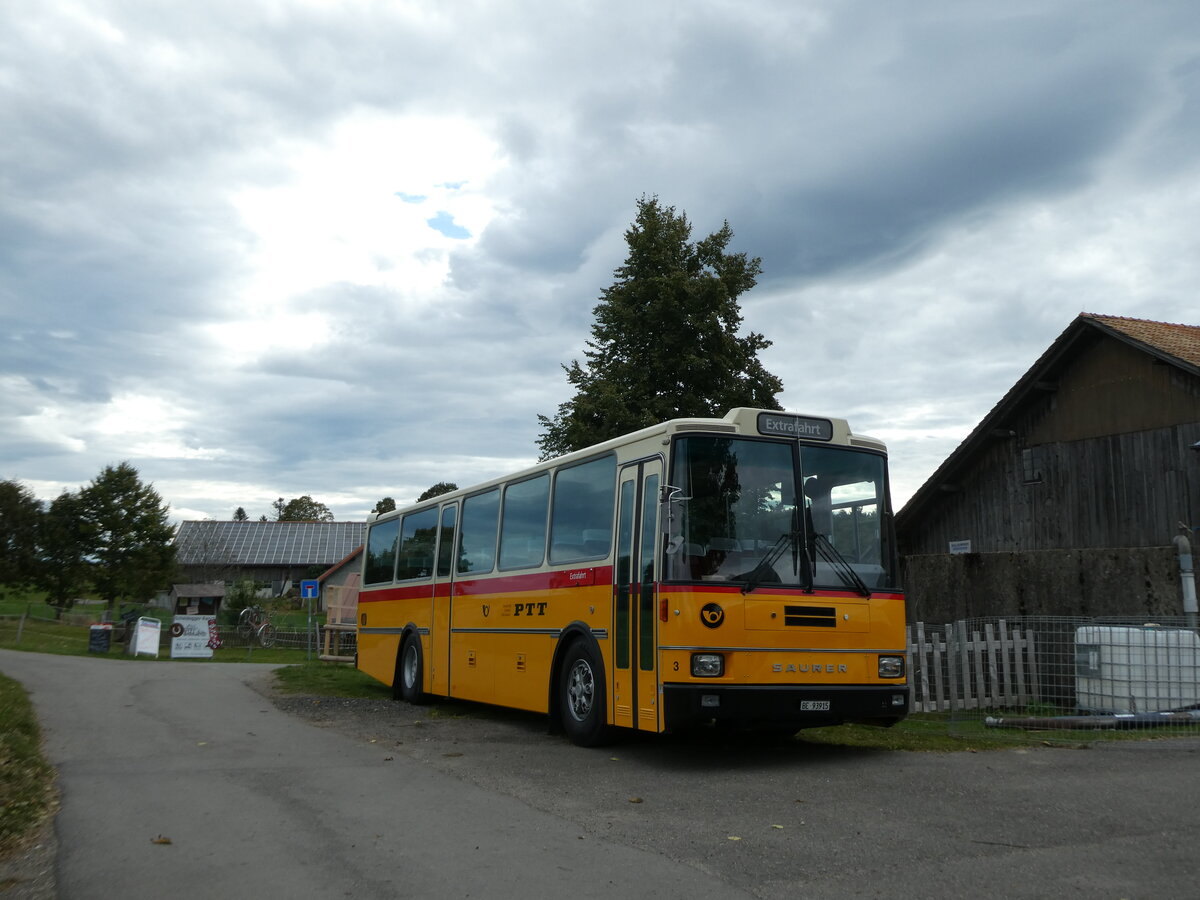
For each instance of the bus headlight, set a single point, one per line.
(708, 665)
(891, 667)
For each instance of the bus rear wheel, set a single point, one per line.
(410, 672)
(581, 699)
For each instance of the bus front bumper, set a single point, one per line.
(783, 706)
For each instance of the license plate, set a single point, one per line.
(814, 706)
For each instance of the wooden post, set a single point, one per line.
(993, 668)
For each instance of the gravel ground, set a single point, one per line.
(28, 872)
(781, 818)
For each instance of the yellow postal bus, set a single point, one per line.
(738, 570)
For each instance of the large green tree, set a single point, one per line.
(302, 509)
(20, 513)
(665, 342)
(126, 526)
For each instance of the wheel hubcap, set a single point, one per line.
(410, 667)
(581, 690)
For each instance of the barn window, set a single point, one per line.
(1033, 463)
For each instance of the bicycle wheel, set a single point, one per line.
(266, 634)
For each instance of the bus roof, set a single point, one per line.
(741, 420)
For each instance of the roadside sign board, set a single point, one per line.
(310, 590)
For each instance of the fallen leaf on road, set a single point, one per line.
(734, 837)
(160, 840)
(635, 799)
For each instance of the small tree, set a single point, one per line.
(65, 543)
(387, 504)
(302, 509)
(125, 522)
(442, 487)
(243, 593)
(665, 343)
(239, 515)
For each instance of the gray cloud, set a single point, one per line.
(935, 193)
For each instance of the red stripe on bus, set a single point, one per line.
(500, 584)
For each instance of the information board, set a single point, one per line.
(146, 635)
(194, 637)
(100, 638)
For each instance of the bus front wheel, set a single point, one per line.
(581, 698)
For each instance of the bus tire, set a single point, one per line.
(410, 672)
(582, 701)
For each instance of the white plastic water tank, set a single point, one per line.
(1119, 669)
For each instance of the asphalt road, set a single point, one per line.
(375, 799)
(180, 780)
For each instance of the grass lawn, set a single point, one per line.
(39, 636)
(321, 679)
(26, 779)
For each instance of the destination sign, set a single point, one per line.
(783, 425)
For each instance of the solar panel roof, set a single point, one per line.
(267, 543)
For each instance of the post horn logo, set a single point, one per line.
(486, 609)
(712, 615)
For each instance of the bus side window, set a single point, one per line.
(581, 515)
(477, 536)
(416, 545)
(381, 552)
(446, 541)
(523, 523)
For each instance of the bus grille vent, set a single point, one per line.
(810, 616)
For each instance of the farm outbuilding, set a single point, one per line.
(279, 554)
(1067, 497)
(197, 599)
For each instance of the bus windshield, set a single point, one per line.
(776, 513)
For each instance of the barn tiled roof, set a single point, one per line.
(266, 543)
(1179, 341)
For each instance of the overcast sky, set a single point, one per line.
(265, 249)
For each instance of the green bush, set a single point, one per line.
(243, 593)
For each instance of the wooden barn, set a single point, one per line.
(1066, 498)
(278, 554)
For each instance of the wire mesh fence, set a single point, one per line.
(1063, 675)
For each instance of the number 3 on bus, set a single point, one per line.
(738, 570)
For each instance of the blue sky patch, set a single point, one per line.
(444, 222)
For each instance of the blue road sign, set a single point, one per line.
(310, 590)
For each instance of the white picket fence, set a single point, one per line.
(959, 666)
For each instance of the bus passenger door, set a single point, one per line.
(443, 598)
(635, 614)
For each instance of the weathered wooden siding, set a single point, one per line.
(1111, 388)
(1138, 581)
(1124, 490)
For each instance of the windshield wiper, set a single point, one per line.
(838, 563)
(764, 572)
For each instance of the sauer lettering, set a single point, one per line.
(809, 667)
